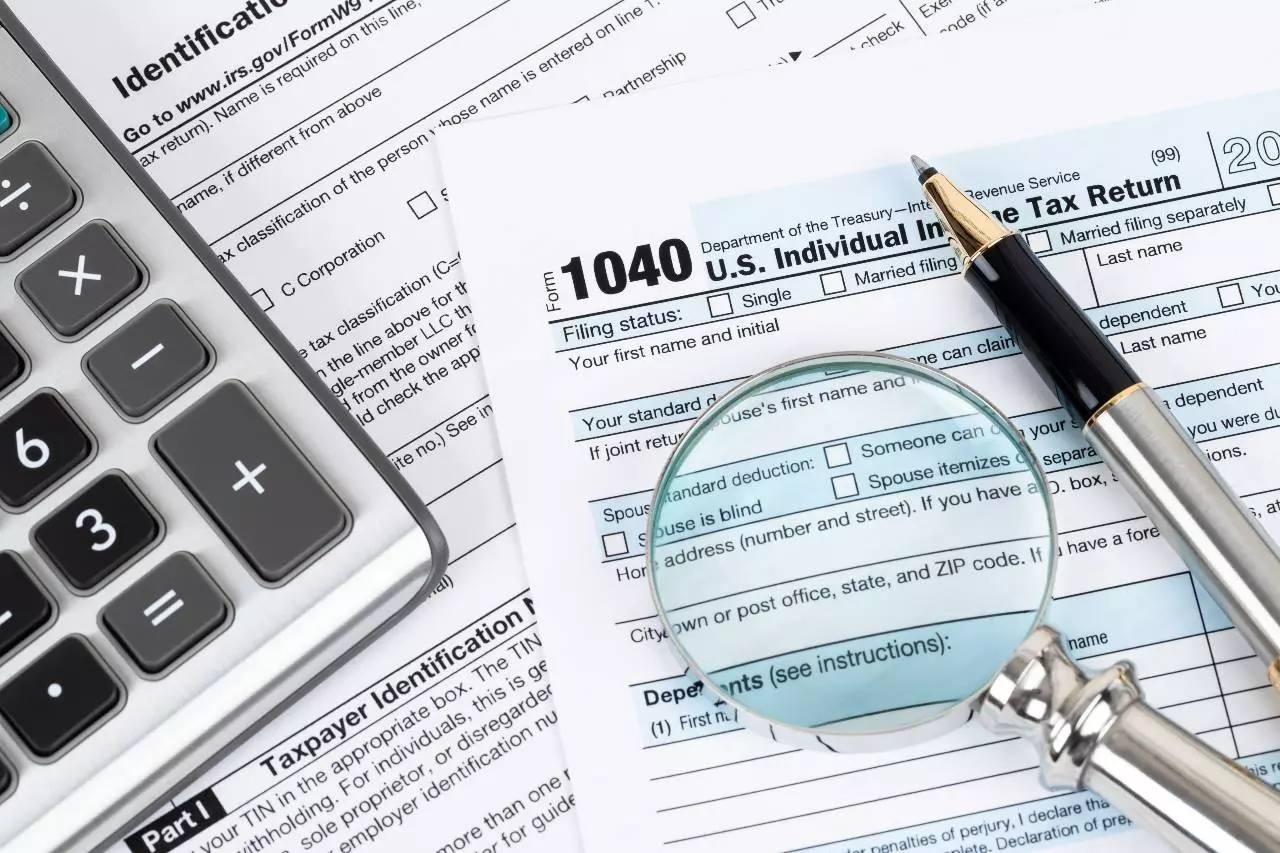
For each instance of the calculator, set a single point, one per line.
(192, 527)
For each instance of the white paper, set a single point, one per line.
(817, 152)
(300, 146)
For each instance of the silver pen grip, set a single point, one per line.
(1096, 731)
(1195, 509)
(1180, 789)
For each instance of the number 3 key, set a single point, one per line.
(97, 533)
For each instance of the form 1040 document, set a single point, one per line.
(624, 280)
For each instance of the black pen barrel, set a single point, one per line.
(1067, 349)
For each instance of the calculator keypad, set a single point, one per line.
(24, 606)
(80, 280)
(97, 533)
(40, 443)
(34, 193)
(58, 697)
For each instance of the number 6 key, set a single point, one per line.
(40, 444)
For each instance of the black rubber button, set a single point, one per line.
(60, 696)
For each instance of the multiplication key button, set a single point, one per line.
(252, 481)
(34, 194)
(80, 280)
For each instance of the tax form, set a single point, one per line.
(298, 139)
(623, 280)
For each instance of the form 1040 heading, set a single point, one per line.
(839, 236)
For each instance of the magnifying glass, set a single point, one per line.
(857, 552)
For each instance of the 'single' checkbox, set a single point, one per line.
(1230, 295)
(832, 283)
(837, 455)
(263, 299)
(720, 305)
(845, 486)
(615, 544)
(1039, 241)
(741, 15)
(1273, 190)
(423, 205)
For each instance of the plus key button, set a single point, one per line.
(227, 451)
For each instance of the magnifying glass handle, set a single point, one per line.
(1096, 732)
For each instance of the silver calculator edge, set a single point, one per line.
(338, 624)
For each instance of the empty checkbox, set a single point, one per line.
(1039, 241)
(741, 15)
(1230, 295)
(583, 98)
(720, 305)
(615, 544)
(837, 455)
(832, 283)
(263, 299)
(422, 205)
(845, 486)
(1274, 191)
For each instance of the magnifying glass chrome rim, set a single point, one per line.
(943, 721)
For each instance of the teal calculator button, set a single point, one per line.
(6, 120)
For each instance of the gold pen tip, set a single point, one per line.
(923, 170)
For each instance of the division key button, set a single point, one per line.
(252, 481)
(34, 194)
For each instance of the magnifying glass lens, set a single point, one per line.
(851, 545)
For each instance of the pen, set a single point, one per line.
(1125, 421)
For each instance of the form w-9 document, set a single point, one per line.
(623, 280)
(298, 137)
